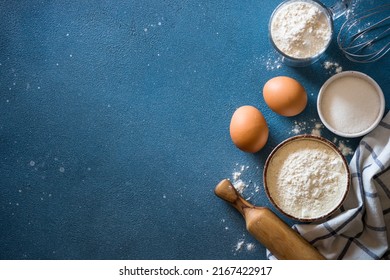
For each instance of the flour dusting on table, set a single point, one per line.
(246, 188)
(332, 67)
(315, 127)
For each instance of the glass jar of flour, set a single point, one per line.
(301, 30)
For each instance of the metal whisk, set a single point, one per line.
(365, 37)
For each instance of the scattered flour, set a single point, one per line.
(274, 63)
(249, 189)
(239, 184)
(236, 175)
(271, 61)
(242, 244)
(298, 127)
(315, 127)
(333, 67)
(300, 29)
(223, 221)
(250, 246)
(239, 245)
(342, 146)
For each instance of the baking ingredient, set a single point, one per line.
(298, 127)
(243, 244)
(317, 129)
(273, 63)
(301, 29)
(306, 178)
(239, 184)
(350, 104)
(246, 187)
(285, 96)
(248, 129)
(314, 127)
(239, 245)
(250, 246)
(333, 67)
(344, 149)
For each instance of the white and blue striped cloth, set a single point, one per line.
(361, 228)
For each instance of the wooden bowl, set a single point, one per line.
(306, 178)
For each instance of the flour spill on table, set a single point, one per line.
(238, 184)
(243, 245)
(223, 221)
(343, 147)
(248, 189)
(332, 67)
(245, 188)
(153, 25)
(314, 127)
(317, 129)
(239, 245)
(273, 63)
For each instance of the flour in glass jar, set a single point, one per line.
(301, 29)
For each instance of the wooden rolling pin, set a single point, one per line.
(281, 240)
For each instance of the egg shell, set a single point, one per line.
(248, 129)
(285, 96)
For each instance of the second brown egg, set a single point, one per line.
(285, 96)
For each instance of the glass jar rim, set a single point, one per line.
(308, 59)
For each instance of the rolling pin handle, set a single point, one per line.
(282, 241)
(226, 191)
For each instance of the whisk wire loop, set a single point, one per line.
(365, 37)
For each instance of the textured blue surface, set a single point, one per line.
(114, 121)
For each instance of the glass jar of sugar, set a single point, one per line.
(301, 30)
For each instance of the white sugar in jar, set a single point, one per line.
(350, 104)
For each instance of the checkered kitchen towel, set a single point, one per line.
(361, 228)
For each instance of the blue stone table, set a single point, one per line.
(114, 125)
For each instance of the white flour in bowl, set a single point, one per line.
(306, 179)
(300, 29)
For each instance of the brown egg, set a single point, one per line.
(285, 96)
(248, 129)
